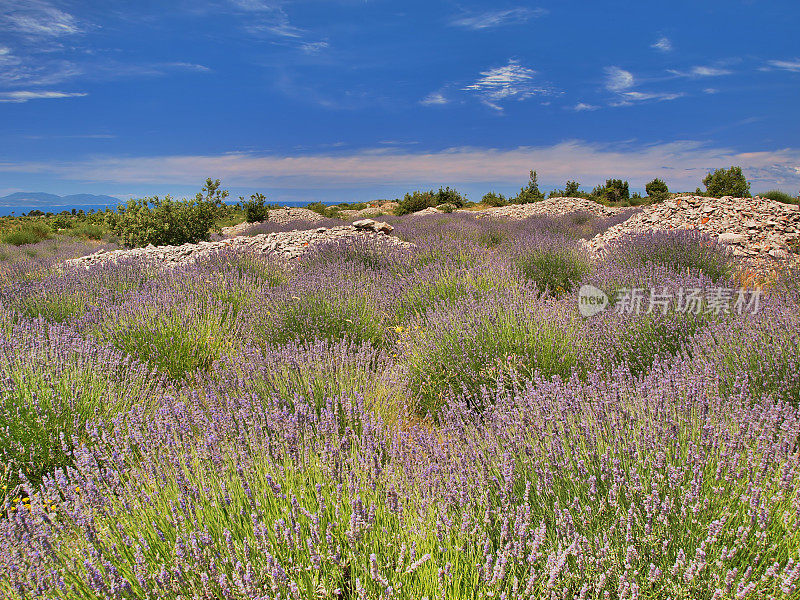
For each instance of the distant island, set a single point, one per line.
(23, 202)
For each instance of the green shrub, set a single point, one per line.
(449, 289)
(572, 189)
(255, 209)
(467, 354)
(162, 222)
(88, 231)
(28, 232)
(553, 269)
(727, 182)
(448, 196)
(779, 196)
(529, 193)
(446, 208)
(657, 189)
(492, 199)
(327, 315)
(415, 202)
(615, 191)
(61, 222)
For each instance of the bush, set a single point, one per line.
(556, 270)
(530, 193)
(657, 189)
(572, 189)
(329, 212)
(679, 251)
(415, 202)
(446, 208)
(166, 222)
(88, 231)
(26, 233)
(255, 210)
(615, 191)
(779, 196)
(448, 196)
(730, 182)
(492, 199)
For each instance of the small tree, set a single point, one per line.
(657, 189)
(615, 191)
(529, 193)
(255, 209)
(727, 182)
(448, 196)
(572, 189)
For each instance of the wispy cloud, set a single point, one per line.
(663, 44)
(187, 66)
(497, 18)
(785, 65)
(701, 71)
(682, 164)
(434, 99)
(582, 107)
(511, 82)
(37, 18)
(618, 79)
(25, 96)
(313, 47)
(621, 83)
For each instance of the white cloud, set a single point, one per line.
(711, 91)
(786, 65)
(512, 82)
(37, 18)
(313, 47)
(620, 82)
(643, 96)
(701, 71)
(582, 106)
(434, 99)
(662, 44)
(681, 164)
(618, 79)
(188, 66)
(497, 18)
(25, 96)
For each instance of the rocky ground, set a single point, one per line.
(550, 206)
(283, 245)
(753, 227)
(277, 215)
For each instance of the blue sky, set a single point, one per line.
(340, 100)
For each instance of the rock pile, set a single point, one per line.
(753, 227)
(283, 245)
(551, 207)
(281, 216)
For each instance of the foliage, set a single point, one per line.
(554, 269)
(27, 232)
(166, 221)
(657, 189)
(779, 196)
(615, 191)
(492, 199)
(255, 209)
(727, 182)
(415, 202)
(529, 193)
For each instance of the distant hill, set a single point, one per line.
(55, 203)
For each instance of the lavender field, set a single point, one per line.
(437, 422)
